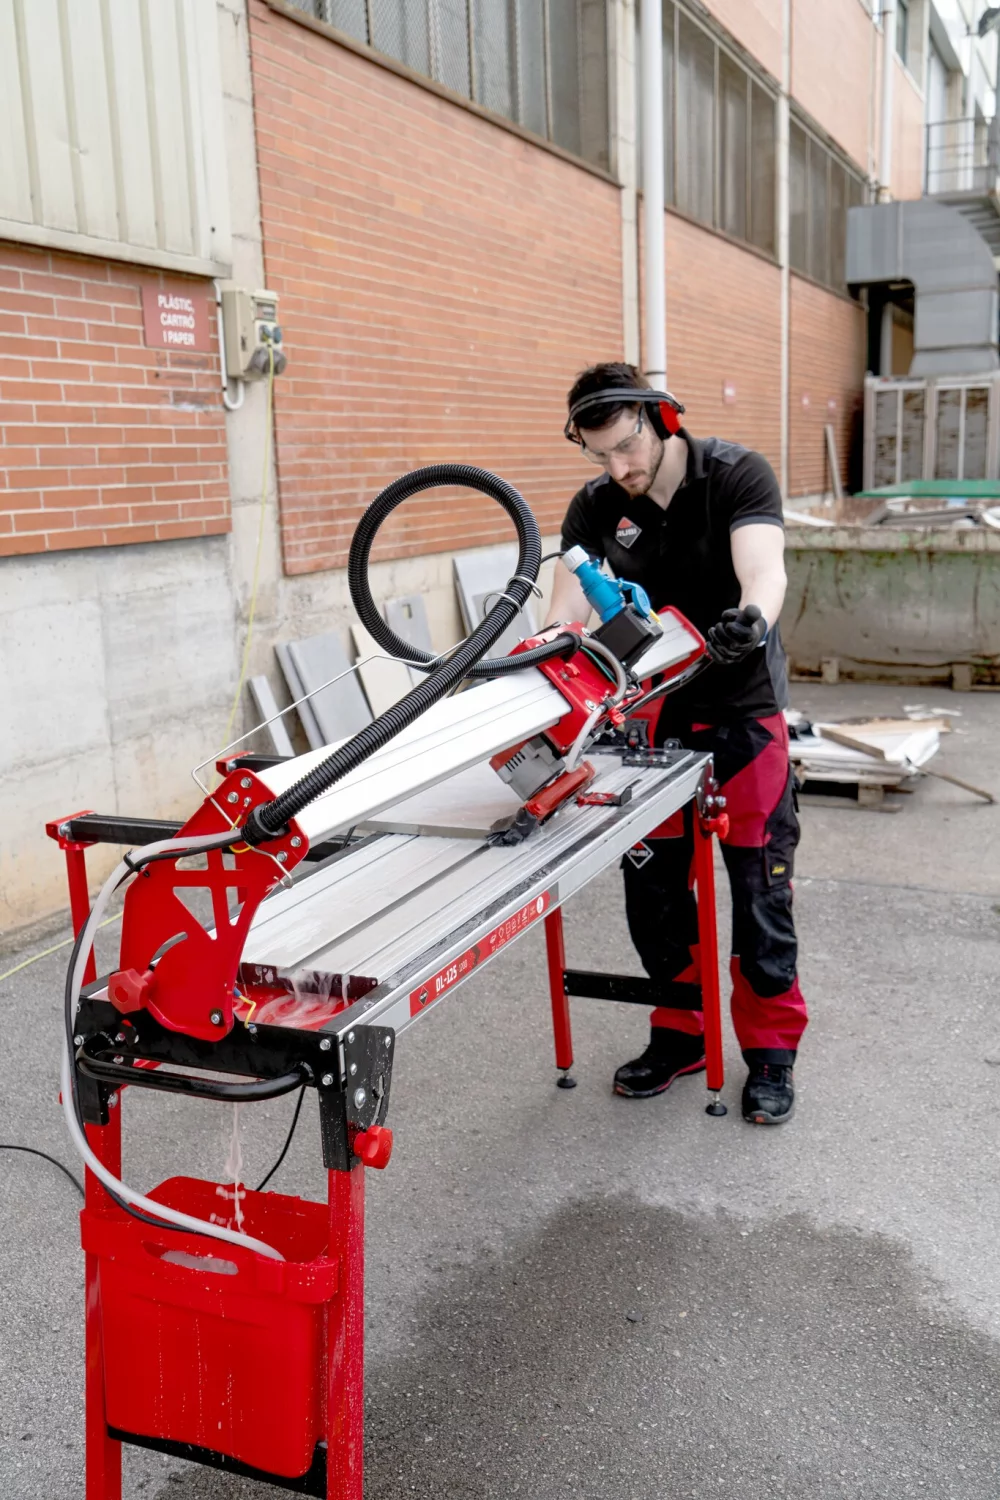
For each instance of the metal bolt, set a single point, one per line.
(120, 1037)
(245, 782)
(282, 856)
(350, 1036)
(251, 1028)
(215, 1016)
(359, 1098)
(78, 1041)
(326, 1080)
(119, 1059)
(296, 841)
(112, 1100)
(325, 1044)
(388, 1041)
(233, 797)
(353, 1069)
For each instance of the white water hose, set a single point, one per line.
(77, 1136)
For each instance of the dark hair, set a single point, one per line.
(603, 378)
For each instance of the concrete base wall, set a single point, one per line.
(906, 607)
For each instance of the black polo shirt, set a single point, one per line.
(683, 556)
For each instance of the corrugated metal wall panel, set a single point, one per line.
(85, 37)
(15, 179)
(113, 110)
(124, 49)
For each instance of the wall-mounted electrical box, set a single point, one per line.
(250, 330)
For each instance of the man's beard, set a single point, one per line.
(650, 481)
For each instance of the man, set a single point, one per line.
(699, 525)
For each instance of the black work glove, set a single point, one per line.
(739, 632)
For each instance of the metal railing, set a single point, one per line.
(962, 156)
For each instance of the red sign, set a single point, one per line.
(175, 316)
(445, 979)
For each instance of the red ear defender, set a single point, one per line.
(670, 416)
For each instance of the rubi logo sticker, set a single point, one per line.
(627, 532)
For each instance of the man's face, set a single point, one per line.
(628, 448)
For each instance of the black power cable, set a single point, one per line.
(288, 1141)
(34, 1151)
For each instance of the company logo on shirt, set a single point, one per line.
(627, 532)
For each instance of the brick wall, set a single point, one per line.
(104, 440)
(441, 280)
(827, 366)
(724, 337)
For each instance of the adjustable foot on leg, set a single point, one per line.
(715, 1106)
(566, 1081)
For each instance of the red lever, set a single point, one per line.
(374, 1146)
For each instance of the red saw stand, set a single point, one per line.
(276, 1389)
(207, 1350)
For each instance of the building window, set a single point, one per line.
(720, 134)
(903, 30)
(822, 187)
(541, 63)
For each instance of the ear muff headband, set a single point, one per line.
(665, 411)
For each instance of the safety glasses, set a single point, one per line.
(624, 449)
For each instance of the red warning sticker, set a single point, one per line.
(445, 979)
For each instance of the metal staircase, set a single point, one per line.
(962, 169)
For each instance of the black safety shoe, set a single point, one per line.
(669, 1054)
(768, 1095)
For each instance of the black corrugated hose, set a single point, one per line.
(466, 659)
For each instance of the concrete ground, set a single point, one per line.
(574, 1294)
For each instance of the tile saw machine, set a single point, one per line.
(225, 1325)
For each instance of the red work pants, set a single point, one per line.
(769, 1012)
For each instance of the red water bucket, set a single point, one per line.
(208, 1343)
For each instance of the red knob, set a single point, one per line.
(374, 1146)
(127, 990)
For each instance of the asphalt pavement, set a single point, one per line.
(571, 1294)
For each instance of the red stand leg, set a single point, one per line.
(104, 1455)
(708, 939)
(79, 897)
(555, 949)
(345, 1339)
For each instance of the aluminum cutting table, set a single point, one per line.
(396, 923)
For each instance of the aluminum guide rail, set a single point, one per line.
(403, 908)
